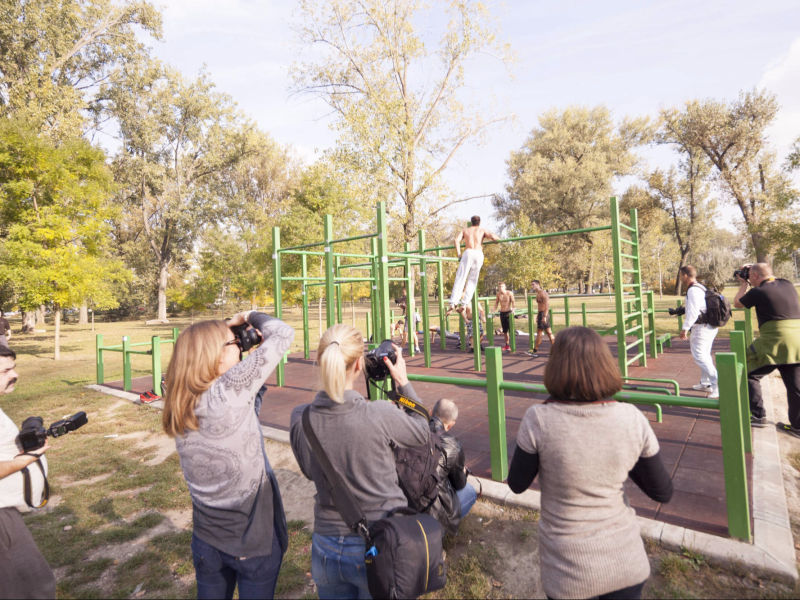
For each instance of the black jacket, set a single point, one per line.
(452, 475)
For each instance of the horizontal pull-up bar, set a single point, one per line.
(329, 242)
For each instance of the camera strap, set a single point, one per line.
(28, 489)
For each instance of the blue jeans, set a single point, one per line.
(218, 573)
(337, 566)
(466, 497)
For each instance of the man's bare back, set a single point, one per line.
(473, 238)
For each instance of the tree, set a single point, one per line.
(561, 178)
(178, 139)
(733, 138)
(54, 55)
(399, 109)
(55, 214)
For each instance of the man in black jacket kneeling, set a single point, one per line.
(456, 496)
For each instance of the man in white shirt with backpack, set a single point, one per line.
(702, 334)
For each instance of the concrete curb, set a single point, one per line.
(772, 552)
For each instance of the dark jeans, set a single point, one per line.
(218, 573)
(629, 593)
(791, 379)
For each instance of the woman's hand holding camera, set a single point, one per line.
(238, 319)
(397, 369)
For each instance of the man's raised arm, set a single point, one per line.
(458, 239)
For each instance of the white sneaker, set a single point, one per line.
(701, 387)
(713, 393)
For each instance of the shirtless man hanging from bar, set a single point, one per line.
(505, 302)
(542, 317)
(469, 268)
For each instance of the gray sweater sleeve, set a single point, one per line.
(246, 378)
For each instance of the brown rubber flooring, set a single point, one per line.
(689, 438)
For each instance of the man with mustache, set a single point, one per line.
(24, 573)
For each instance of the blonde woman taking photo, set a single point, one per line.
(239, 528)
(358, 437)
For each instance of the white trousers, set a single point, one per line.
(700, 344)
(467, 274)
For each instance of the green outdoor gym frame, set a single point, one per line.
(632, 317)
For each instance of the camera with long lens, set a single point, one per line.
(246, 336)
(681, 310)
(374, 367)
(744, 272)
(33, 434)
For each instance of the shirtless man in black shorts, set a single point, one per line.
(505, 302)
(542, 317)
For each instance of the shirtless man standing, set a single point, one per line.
(470, 266)
(505, 301)
(542, 317)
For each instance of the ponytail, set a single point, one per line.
(339, 347)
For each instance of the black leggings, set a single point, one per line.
(629, 593)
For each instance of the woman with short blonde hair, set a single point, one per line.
(583, 444)
(358, 436)
(210, 408)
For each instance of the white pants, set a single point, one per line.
(700, 344)
(468, 271)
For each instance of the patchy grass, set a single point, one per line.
(295, 580)
(794, 460)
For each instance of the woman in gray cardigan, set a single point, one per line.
(584, 445)
(358, 437)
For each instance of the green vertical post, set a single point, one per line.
(98, 345)
(330, 292)
(566, 311)
(495, 397)
(651, 323)
(738, 347)
(175, 333)
(276, 269)
(442, 318)
(748, 326)
(531, 324)
(489, 323)
(126, 364)
(304, 301)
(410, 304)
(155, 355)
(369, 325)
(616, 252)
(338, 287)
(476, 332)
(423, 292)
(512, 334)
(637, 279)
(730, 417)
(680, 317)
(373, 296)
(385, 331)
(584, 321)
(462, 331)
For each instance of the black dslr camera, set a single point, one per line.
(33, 435)
(246, 336)
(374, 367)
(744, 273)
(681, 310)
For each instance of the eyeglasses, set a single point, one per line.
(233, 342)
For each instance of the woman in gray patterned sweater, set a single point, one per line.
(584, 445)
(239, 528)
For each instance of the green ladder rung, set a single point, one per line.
(631, 256)
(632, 344)
(632, 329)
(628, 271)
(631, 285)
(635, 358)
(632, 243)
(628, 227)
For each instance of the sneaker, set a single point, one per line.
(788, 429)
(532, 354)
(701, 387)
(758, 421)
(713, 394)
(507, 348)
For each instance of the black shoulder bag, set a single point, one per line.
(404, 556)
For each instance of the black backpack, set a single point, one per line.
(418, 472)
(718, 309)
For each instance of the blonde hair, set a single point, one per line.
(339, 347)
(192, 369)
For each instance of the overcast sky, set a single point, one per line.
(635, 57)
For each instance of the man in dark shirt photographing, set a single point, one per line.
(778, 345)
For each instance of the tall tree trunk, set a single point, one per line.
(40, 316)
(83, 313)
(163, 274)
(57, 322)
(28, 321)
